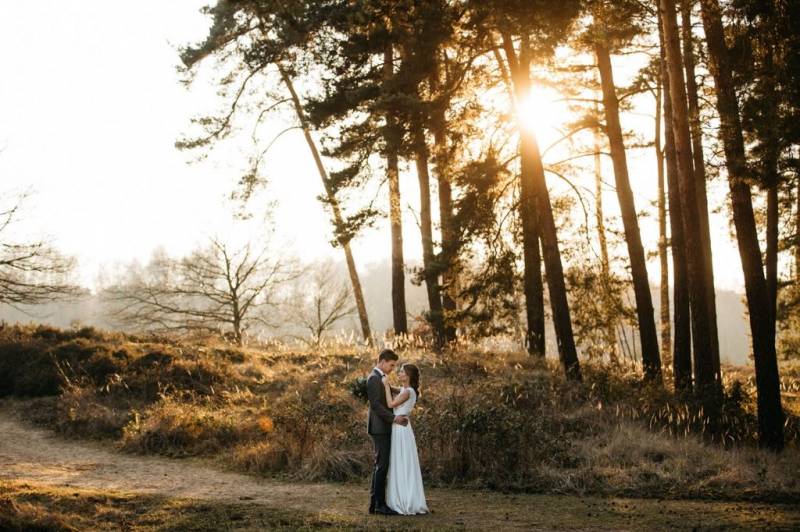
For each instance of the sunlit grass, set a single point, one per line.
(490, 415)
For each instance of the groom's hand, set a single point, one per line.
(401, 420)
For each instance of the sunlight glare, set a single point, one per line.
(540, 112)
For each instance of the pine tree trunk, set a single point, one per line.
(449, 277)
(797, 233)
(666, 333)
(532, 275)
(682, 340)
(771, 178)
(533, 286)
(772, 250)
(651, 359)
(770, 412)
(697, 256)
(699, 168)
(549, 238)
(605, 267)
(337, 214)
(399, 316)
(426, 228)
(448, 231)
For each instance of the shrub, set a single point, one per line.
(175, 428)
(358, 388)
(492, 419)
(81, 412)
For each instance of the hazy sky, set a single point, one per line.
(90, 108)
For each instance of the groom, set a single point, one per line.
(379, 427)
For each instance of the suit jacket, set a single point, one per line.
(381, 416)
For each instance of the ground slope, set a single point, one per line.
(38, 466)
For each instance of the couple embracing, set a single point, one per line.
(396, 480)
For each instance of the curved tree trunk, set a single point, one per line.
(697, 255)
(337, 215)
(641, 285)
(699, 168)
(770, 411)
(399, 317)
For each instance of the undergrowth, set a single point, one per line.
(490, 419)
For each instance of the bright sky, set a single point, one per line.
(90, 108)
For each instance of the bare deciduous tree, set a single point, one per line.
(218, 288)
(33, 272)
(318, 303)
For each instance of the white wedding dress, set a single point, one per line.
(404, 492)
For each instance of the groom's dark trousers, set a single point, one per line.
(380, 430)
(377, 493)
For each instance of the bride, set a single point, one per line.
(404, 492)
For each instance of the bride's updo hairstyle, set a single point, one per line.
(413, 376)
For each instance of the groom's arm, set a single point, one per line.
(374, 393)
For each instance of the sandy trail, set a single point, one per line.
(38, 456)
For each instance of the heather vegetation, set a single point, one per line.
(293, 413)
(530, 166)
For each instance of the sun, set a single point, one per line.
(542, 111)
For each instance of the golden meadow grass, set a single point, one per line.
(488, 417)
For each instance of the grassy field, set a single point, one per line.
(486, 420)
(36, 507)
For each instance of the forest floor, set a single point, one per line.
(54, 483)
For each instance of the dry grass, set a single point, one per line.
(28, 507)
(489, 417)
(34, 508)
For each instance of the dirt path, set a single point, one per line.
(38, 457)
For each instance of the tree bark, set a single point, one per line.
(697, 256)
(771, 257)
(533, 286)
(337, 215)
(531, 155)
(532, 276)
(651, 359)
(399, 316)
(666, 333)
(699, 169)
(426, 228)
(770, 411)
(448, 230)
(605, 268)
(797, 235)
(682, 341)
(771, 178)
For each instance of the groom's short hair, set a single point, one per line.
(387, 354)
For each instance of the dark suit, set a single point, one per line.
(379, 427)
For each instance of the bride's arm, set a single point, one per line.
(397, 401)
